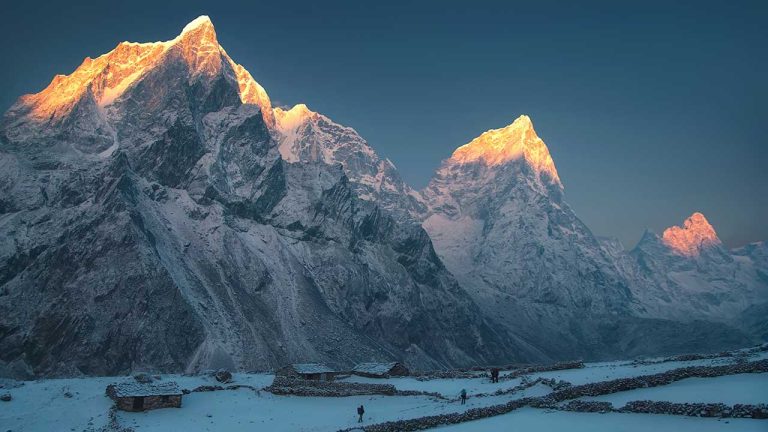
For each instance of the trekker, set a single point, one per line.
(463, 396)
(495, 375)
(360, 412)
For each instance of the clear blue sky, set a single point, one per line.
(652, 110)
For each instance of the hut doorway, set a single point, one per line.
(138, 403)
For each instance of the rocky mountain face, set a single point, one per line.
(499, 222)
(687, 274)
(159, 213)
(150, 221)
(307, 136)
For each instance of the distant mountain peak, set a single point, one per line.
(688, 240)
(201, 22)
(515, 141)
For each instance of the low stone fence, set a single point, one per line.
(588, 406)
(208, 388)
(300, 387)
(478, 371)
(549, 382)
(664, 378)
(552, 401)
(543, 368)
(697, 409)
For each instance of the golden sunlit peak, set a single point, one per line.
(201, 21)
(290, 119)
(695, 234)
(518, 140)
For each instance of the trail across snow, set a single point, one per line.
(42, 406)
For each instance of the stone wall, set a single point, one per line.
(552, 401)
(698, 409)
(664, 378)
(300, 387)
(150, 402)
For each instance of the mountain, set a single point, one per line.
(160, 213)
(687, 274)
(307, 136)
(152, 223)
(498, 220)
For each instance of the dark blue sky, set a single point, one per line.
(651, 110)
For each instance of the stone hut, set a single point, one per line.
(307, 371)
(136, 396)
(381, 370)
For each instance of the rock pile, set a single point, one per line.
(223, 376)
(300, 387)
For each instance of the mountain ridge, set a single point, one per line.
(207, 229)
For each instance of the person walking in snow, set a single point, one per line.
(463, 396)
(495, 375)
(360, 412)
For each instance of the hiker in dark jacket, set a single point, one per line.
(495, 375)
(463, 396)
(360, 412)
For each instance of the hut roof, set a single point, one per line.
(374, 368)
(135, 389)
(311, 368)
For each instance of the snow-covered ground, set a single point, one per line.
(43, 406)
(730, 390)
(531, 419)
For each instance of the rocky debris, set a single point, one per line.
(697, 409)
(556, 385)
(588, 406)
(223, 376)
(5, 397)
(7, 383)
(143, 378)
(300, 387)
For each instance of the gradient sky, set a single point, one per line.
(651, 110)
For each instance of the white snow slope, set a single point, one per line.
(42, 405)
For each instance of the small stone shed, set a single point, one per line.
(135, 396)
(381, 370)
(307, 371)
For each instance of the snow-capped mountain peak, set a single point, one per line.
(287, 120)
(515, 141)
(101, 82)
(201, 22)
(695, 234)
